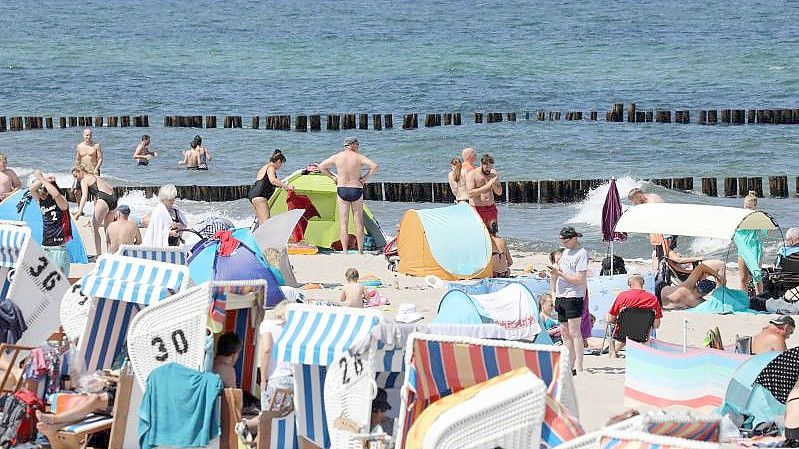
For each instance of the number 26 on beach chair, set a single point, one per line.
(30, 281)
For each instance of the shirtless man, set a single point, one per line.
(482, 185)
(349, 188)
(773, 335)
(691, 291)
(142, 153)
(9, 181)
(122, 231)
(89, 154)
(469, 157)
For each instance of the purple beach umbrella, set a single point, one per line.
(611, 212)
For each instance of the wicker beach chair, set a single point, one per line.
(620, 438)
(506, 411)
(313, 339)
(173, 254)
(348, 392)
(437, 366)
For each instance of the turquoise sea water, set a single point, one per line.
(256, 58)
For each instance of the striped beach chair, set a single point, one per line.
(437, 366)
(173, 254)
(119, 287)
(313, 338)
(30, 281)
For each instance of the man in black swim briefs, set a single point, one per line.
(349, 187)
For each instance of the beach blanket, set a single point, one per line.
(157, 234)
(724, 300)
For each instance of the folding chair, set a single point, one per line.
(633, 323)
(784, 277)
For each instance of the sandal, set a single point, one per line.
(244, 433)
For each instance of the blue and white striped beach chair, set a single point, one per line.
(119, 287)
(29, 280)
(312, 338)
(173, 254)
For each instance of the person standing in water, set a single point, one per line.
(89, 154)
(482, 185)
(265, 183)
(142, 153)
(457, 181)
(349, 188)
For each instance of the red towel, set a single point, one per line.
(227, 243)
(297, 201)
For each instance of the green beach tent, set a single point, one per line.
(322, 231)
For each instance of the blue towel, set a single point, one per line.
(724, 300)
(179, 408)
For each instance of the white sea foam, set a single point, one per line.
(589, 211)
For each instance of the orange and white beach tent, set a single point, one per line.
(449, 242)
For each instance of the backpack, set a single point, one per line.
(618, 266)
(18, 423)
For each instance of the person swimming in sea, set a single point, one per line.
(197, 156)
(142, 153)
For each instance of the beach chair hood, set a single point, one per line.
(449, 242)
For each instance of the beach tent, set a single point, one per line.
(275, 234)
(313, 338)
(513, 308)
(233, 257)
(30, 282)
(322, 231)
(692, 220)
(449, 242)
(748, 403)
(19, 208)
(661, 374)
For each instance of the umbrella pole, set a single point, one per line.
(611, 257)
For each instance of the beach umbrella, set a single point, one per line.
(233, 256)
(611, 212)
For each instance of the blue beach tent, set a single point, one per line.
(748, 403)
(210, 261)
(458, 307)
(19, 207)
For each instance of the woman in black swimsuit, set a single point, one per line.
(265, 183)
(95, 188)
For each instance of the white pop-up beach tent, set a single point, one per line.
(692, 220)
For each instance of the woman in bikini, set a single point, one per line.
(500, 254)
(104, 200)
(265, 183)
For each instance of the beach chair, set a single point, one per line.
(79, 434)
(437, 366)
(13, 359)
(171, 254)
(505, 411)
(591, 440)
(632, 323)
(783, 277)
(349, 384)
(30, 281)
(313, 339)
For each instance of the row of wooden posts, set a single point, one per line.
(541, 191)
(411, 120)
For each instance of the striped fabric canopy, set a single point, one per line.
(12, 240)
(171, 254)
(314, 335)
(134, 280)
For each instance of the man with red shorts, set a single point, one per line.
(483, 184)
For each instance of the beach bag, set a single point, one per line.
(618, 266)
(18, 423)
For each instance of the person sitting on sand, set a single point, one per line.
(692, 291)
(547, 307)
(122, 231)
(501, 259)
(100, 399)
(142, 153)
(772, 337)
(353, 294)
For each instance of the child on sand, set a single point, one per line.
(353, 294)
(547, 307)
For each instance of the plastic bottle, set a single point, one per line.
(396, 281)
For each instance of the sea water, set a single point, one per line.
(286, 57)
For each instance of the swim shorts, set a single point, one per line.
(487, 213)
(144, 162)
(350, 194)
(568, 308)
